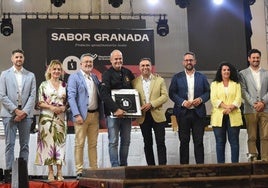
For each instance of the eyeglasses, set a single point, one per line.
(188, 60)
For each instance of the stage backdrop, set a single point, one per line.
(35, 41)
(67, 45)
(217, 33)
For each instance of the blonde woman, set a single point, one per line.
(52, 124)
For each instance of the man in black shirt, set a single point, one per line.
(116, 77)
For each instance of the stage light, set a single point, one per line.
(153, 2)
(57, 3)
(162, 27)
(182, 3)
(6, 26)
(217, 2)
(115, 3)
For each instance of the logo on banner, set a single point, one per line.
(71, 64)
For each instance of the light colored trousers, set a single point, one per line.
(255, 121)
(90, 130)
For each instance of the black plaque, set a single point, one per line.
(128, 100)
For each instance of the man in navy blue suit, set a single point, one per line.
(85, 104)
(189, 90)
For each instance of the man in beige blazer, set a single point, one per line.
(153, 94)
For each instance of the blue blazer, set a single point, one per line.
(78, 95)
(178, 92)
(9, 92)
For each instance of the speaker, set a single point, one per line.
(7, 175)
(1, 174)
(20, 174)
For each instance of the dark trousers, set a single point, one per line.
(159, 132)
(191, 123)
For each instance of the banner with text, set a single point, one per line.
(68, 45)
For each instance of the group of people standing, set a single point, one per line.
(87, 96)
(189, 90)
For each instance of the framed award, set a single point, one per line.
(128, 100)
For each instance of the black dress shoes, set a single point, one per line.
(79, 175)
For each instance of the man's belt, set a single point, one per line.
(92, 111)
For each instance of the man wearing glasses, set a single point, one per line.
(189, 90)
(85, 106)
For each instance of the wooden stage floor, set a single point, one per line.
(229, 175)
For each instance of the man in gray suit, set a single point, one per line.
(17, 96)
(254, 85)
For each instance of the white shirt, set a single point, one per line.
(257, 78)
(92, 92)
(18, 75)
(146, 88)
(190, 83)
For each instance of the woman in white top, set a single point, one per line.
(52, 125)
(226, 118)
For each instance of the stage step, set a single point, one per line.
(231, 175)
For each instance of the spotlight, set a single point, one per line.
(57, 3)
(115, 3)
(6, 26)
(217, 2)
(182, 3)
(162, 27)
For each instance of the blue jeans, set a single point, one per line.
(233, 138)
(118, 127)
(11, 128)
